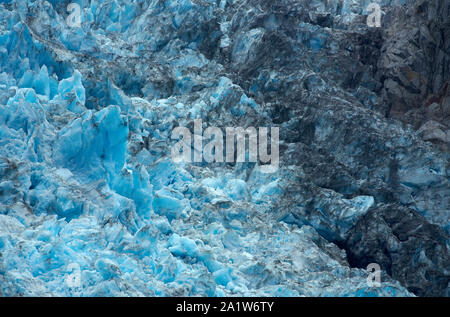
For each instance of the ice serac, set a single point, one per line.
(92, 204)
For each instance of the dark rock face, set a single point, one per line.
(405, 245)
(325, 80)
(334, 92)
(414, 67)
(415, 60)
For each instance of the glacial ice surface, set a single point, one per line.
(87, 185)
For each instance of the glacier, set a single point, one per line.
(92, 204)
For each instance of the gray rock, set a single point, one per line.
(406, 246)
